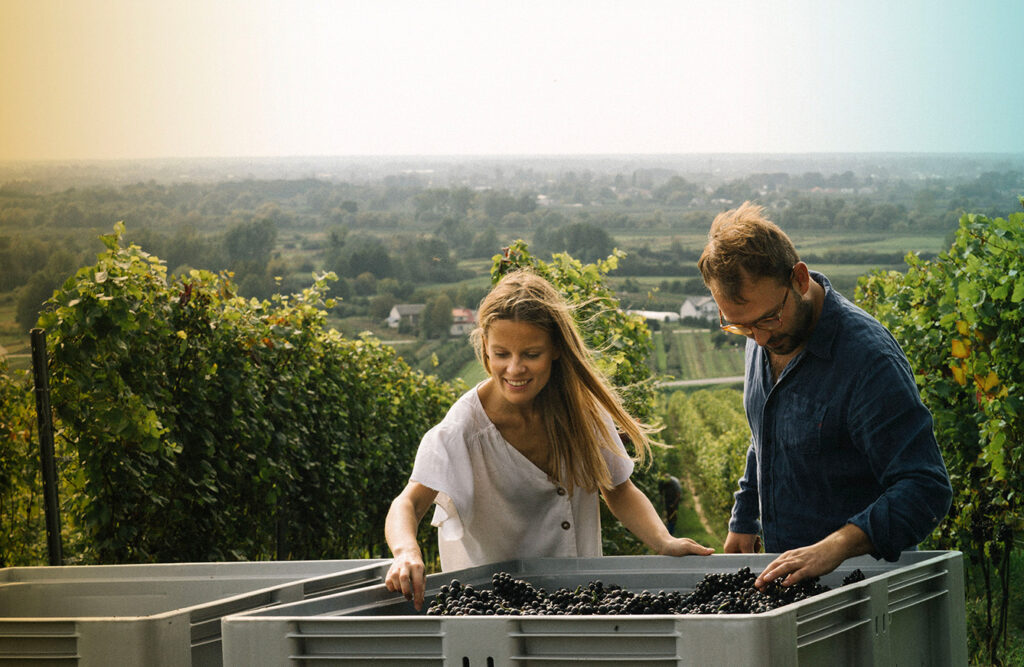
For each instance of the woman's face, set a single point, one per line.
(520, 356)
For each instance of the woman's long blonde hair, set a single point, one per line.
(577, 396)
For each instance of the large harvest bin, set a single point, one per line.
(161, 614)
(906, 613)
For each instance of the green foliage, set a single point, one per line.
(212, 427)
(709, 429)
(588, 241)
(250, 242)
(445, 357)
(979, 610)
(22, 520)
(59, 265)
(437, 317)
(960, 319)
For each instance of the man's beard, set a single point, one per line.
(783, 343)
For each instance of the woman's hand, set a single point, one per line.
(407, 573)
(684, 546)
(635, 511)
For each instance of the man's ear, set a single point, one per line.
(802, 277)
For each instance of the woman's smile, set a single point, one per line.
(519, 357)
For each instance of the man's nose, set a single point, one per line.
(761, 336)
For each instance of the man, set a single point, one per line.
(843, 459)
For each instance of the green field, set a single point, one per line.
(688, 524)
(15, 342)
(806, 241)
(844, 276)
(686, 354)
(472, 373)
(818, 242)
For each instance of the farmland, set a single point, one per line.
(410, 235)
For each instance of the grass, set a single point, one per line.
(472, 373)
(659, 239)
(807, 242)
(1013, 652)
(15, 341)
(844, 276)
(660, 359)
(676, 360)
(818, 242)
(693, 356)
(481, 278)
(688, 525)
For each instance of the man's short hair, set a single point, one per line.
(744, 245)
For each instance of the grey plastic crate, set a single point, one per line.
(906, 613)
(160, 614)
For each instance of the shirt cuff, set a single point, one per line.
(863, 521)
(746, 525)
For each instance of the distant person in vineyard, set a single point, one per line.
(843, 459)
(516, 466)
(671, 493)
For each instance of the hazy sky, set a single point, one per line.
(99, 79)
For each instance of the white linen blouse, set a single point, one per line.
(494, 504)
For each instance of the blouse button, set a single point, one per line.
(561, 491)
(565, 525)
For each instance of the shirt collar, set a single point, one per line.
(827, 327)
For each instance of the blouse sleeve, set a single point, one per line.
(620, 466)
(442, 464)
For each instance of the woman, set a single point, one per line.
(515, 466)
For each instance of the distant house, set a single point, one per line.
(463, 321)
(699, 307)
(406, 315)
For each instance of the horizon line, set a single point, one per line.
(509, 156)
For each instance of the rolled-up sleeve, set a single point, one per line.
(894, 430)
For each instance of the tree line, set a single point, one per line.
(390, 237)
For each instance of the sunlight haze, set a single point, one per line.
(125, 79)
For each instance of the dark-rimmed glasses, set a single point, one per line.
(770, 323)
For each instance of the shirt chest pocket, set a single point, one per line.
(799, 423)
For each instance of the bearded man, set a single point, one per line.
(842, 458)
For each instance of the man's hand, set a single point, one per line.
(742, 543)
(795, 565)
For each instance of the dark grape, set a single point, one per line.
(854, 577)
(715, 593)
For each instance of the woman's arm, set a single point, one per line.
(406, 573)
(635, 511)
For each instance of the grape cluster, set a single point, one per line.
(734, 593)
(854, 577)
(715, 593)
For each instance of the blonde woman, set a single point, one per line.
(516, 466)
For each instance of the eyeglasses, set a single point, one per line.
(770, 323)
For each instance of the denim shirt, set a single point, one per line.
(841, 437)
